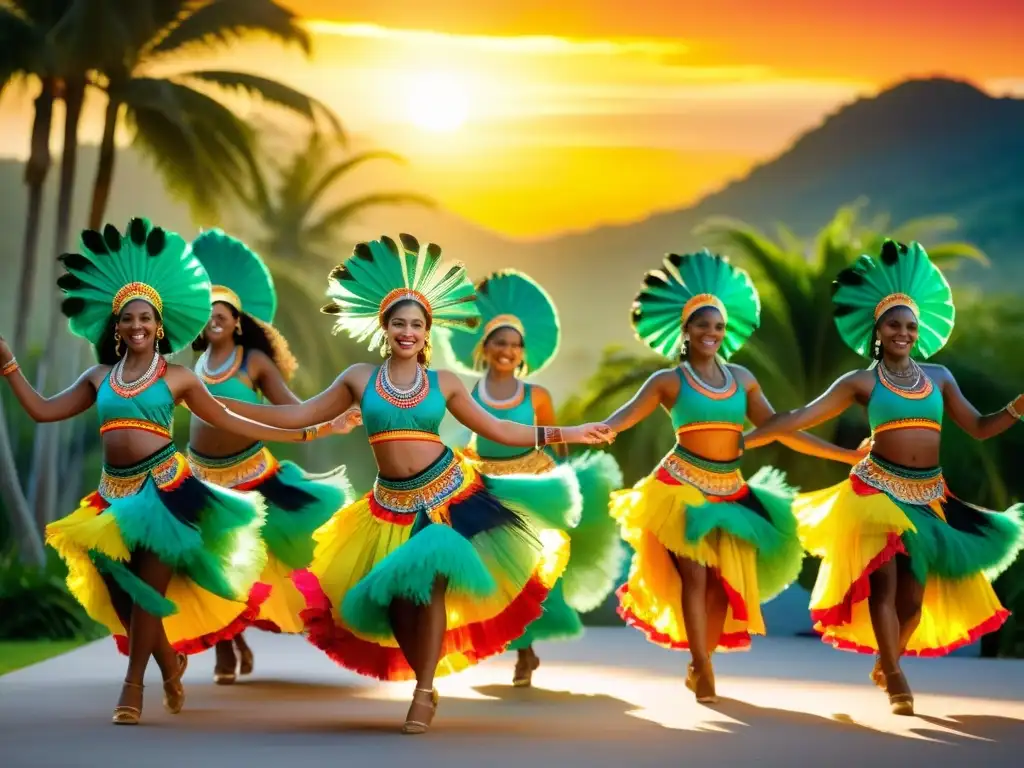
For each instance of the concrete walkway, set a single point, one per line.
(608, 700)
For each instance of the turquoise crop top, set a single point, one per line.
(386, 421)
(520, 411)
(891, 409)
(238, 387)
(698, 408)
(152, 407)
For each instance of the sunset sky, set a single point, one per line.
(539, 116)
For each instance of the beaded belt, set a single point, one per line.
(532, 463)
(247, 468)
(139, 424)
(404, 435)
(431, 488)
(715, 478)
(165, 466)
(911, 486)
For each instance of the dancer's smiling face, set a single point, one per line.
(503, 350)
(706, 329)
(137, 325)
(222, 323)
(406, 325)
(897, 329)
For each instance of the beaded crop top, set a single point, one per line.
(150, 409)
(518, 409)
(234, 382)
(388, 416)
(700, 408)
(892, 408)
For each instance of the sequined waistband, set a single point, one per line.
(889, 426)
(166, 467)
(244, 469)
(431, 488)
(911, 486)
(404, 435)
(140, 424)
(715, 478)
(532, 463)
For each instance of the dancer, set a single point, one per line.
(906, 566)
(245, 357)
(699, 532)
(519, 335)
(438, 566)
(166, 562)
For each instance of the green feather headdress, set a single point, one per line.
(685, 284)
(510, 299)
(146, 263)
(238, 275)
(378, 275)
(901, 276)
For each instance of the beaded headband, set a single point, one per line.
(700, 301)
(402, 294)
(225, 294)
(133, 291)
(896, 300)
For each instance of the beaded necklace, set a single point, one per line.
(129, 389)
(722, 390)
(227, 369)
(395, 395)
(512, 402)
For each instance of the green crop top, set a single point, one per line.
(387, 421)
(238, 387)
(519, 410)
(698, 408)
(151, 409)
(888, 408)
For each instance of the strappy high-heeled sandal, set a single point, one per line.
(900, 703)
(525, 666)
(125, 714)
(174, 691)
(877, 675)
(222, 674)
(421, 726)
(702, 685)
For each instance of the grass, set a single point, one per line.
(15, 654)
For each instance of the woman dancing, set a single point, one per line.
(245, 357)
(438, 566)
(167, 563)
(906, 566)
(708, 546)
(515, 309)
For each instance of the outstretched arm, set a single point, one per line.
(469, 413)
(74, 400)
(759, 411)
(544, 414)
(653, 393)
(269, 381)
(199, 400)
(967, 416)
(333, 401)
(836, 399)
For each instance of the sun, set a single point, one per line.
(437, 102)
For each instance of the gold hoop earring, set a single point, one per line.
(117, 343)
(385, 349)
(160, 333)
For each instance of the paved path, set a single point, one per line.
(608, 700)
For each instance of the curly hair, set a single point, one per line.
(260, 336)
(108, 351)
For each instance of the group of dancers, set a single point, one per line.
(464, 549)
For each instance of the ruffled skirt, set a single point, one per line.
(701, 510)
(497, 541)
(955, 549)
(208, 535)
(596, 551)
(297, 503)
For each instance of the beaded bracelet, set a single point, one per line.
(10, 367)
(548, 436)
(1013, 411)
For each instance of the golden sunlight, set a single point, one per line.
(437, 101)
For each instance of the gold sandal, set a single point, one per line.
(525, 666)
(702, 685)
(877, 675)
(174, 691)
(417, 726)
(900, 703)
(125, 714)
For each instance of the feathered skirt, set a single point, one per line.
(883, 510)
(209, 536)
(704, 511)
(498, 542)
(297, 503)
(596, 551)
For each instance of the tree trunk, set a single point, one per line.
(36, 170)
(31, 549)
(105, 168)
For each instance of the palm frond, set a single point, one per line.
(220, 22)
(952, 255)
(338, 170)
(343, 214)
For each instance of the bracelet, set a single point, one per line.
(549, 435)
(312, 433)
(10, 367)
(1009, 406)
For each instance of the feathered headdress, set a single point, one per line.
(510, 299)
(238, 275)
(901, 276)
(377, 276)
(683, 285)
(146, 263)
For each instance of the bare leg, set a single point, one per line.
(246, 660)
(909, 599)
(526, 662)
(700, 677)
(717, 610)
(419, 631)
(433, 621)
(886, 624)
(226, 663)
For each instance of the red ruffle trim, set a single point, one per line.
(840, 614)
(257, 596)
(475, 642)
(991, 624)
(732, 641)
